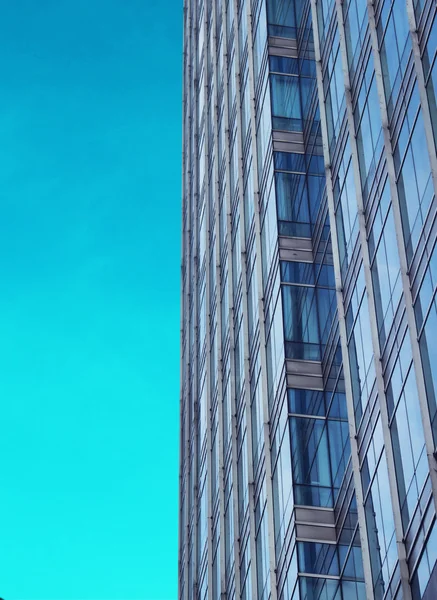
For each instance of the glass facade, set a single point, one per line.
(308, 439)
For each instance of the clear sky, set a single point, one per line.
(90, 130)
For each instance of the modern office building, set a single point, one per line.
(309, 318)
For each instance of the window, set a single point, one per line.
(300, 322)
(281, 18)
(310, 462)
(286, 108)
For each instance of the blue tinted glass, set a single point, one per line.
(297, 272)
(286, 108)
(337, 405)
(326, 302)
(313, 588)
(354, 563)
(316, 166)
(294, 229)
(292, 198)
(284, 64)
(300, 314)
(281, 18)
(338, 432)
(428, 349)
(317, 558)
(289, 161)
(306, 402)
(308, 68)
(310, 462)
(326, 276)
(316, 185)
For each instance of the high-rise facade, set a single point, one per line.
(309, 318)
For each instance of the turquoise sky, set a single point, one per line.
(90, 129)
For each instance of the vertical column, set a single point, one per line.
(195, 299)
(341, 318)
(406, 286)
(418, 66)
(219, 324)
(234, 448)
(245, 325)
(185, 454)
(207, 305)
(388, 449)
(262, 350)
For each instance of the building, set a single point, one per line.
(309, 317)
